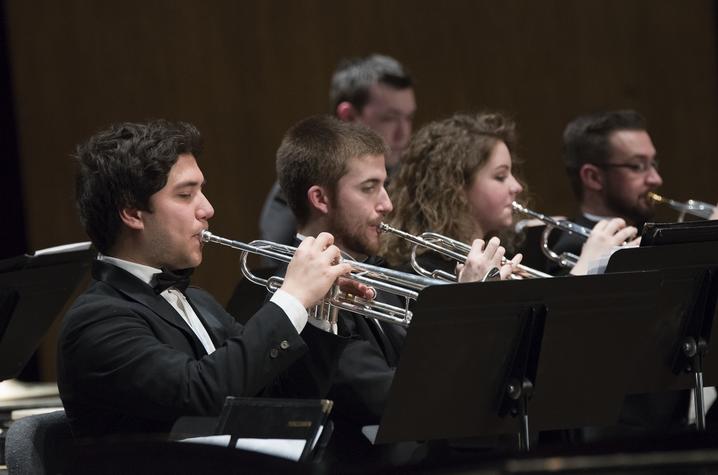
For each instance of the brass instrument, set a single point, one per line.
(565, 259)
(450, 248)
(692, 207)
(398, 283)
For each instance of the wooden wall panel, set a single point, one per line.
(243, 72)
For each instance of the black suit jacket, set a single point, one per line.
(277, 222)
(128, 363)
(365, 370)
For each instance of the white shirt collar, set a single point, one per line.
(595, 217)
(141, 271)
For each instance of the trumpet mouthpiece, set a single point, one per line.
(518, 206)
(384, 227)
(205, 235)
(655, 197)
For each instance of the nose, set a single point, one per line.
(654, 178)
(205, 211)
(515, 186)
(384, 205)
(402, 132)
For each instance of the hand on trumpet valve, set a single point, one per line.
(605, 236)
(352, 287)
(482, 259)
(314, 269)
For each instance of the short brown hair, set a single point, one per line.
(441, 160)
(586, 139)
(315, 151)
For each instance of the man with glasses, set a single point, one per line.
(611, 162)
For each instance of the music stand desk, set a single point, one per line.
(33, 291)
(459, 347)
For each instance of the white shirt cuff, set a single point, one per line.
(292, 307)
(324, 325)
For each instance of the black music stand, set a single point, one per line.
(33, 290)
(473, 349)
(679, 233)
(686, 254)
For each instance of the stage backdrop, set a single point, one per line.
(243, 72)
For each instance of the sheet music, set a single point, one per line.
(75, 246)
(290, 449)
(13, 389)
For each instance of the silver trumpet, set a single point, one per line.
(565, 259)
(404, 285)
(450, 248)
(692, 207)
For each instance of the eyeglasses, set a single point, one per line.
(637, 167)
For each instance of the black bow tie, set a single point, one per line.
(178, 279)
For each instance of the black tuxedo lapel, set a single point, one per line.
(380, 333)
(214, 327)
(134, 289)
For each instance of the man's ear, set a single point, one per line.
(346, 112)
(318, 198)
(592, 177)
(132, 217)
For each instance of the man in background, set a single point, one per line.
(611, 162)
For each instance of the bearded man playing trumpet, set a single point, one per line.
(611, 164)
(139, 348)
(333, 176)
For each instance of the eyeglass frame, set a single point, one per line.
(638, 167)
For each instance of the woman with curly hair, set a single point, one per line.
(456, 179)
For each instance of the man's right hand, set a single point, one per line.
(604, 237)
(313, 270)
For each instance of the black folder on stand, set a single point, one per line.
(464, 342)
(33, 291)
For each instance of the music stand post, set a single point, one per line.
(695, 338)
(521, 378)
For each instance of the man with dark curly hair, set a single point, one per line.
(139, 348)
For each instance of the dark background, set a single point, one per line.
(244, 71)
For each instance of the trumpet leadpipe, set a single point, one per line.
(692, 207)
(450, 248)
(401, 284)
